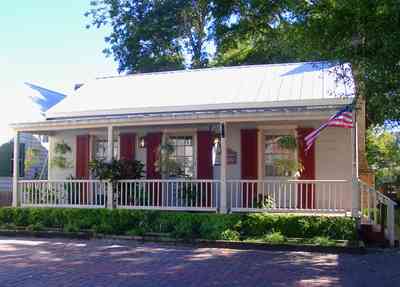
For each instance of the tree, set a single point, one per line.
(364, 33)
(383, 154)
(175, 34)
(367, 35)
(152, 36)
(253, 32)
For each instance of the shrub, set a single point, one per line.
(230, 235)
(185, 225)
(323, 241)
(70, 227)
(35, 227)
(274, 238)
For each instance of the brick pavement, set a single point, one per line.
(61, 262)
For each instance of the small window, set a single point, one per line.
(100, 149)
(183, 153)
(276, 158)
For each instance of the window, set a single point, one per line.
(277, 160)
(100, 149)
(183, 153)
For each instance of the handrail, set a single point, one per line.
(372, 215)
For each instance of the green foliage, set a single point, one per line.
(181, 225)
(35, 227)
(363, 33)
(150, 36)
(287, 142)
(383, 154)
(274, 238)
(71, 227)
(116, 169)
(59, 158)
(323, 241)
(230, 235)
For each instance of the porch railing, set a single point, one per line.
(378, 209)
(63, 193)
(195, 195)
(325, 196)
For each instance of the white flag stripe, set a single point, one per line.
(343, 119)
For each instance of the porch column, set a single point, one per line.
(110, 144)
(110, 153)
(15, 195)
(223, 202)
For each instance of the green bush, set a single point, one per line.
(70, 227)
(323, 241)
(231, 235)
(183, 225)
(35, 227)
(274, 238)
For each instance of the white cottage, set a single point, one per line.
(237, 132)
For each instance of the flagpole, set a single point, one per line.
(354, 144)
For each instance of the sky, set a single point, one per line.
(45, 42)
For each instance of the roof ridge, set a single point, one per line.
(209, 69)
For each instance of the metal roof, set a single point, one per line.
(227, 88)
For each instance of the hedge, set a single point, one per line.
(184, 225)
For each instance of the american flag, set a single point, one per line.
(343, 119)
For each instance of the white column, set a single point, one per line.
(223, 202)
(15, 195)
(110, 144)
(110, 153)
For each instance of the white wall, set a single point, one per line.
(333, 160)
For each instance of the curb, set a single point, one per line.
(239, 245)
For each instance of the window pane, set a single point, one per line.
(183, 153)
(276, 158)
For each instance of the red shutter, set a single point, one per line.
(249, 154)
(82, 156)
(249, 164)
(127, 146)
(204, 155)
(153, 142)
(306, 192)
(204, 163)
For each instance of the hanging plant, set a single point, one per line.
(62, 148)
(288, 142)
(59, 158)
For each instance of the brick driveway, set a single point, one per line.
(59, 262)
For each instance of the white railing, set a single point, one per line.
(325, 196)
(62, 193)
(379, 209)
(196, 195)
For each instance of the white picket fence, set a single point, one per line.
(318, 196)
(190, 195)
(63, 193)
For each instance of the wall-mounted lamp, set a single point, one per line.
(142, 142)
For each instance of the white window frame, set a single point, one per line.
(271, 131)
(182, 133)
(95, 138)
